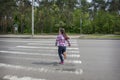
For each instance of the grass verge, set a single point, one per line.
(99, 36)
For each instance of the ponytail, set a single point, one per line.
(62, 30)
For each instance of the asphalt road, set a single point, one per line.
(37, 59)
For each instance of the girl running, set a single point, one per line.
(61, 41)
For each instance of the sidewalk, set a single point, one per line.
(35, 36)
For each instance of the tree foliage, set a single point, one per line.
(76, 16)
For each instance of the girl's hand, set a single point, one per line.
(55, 43)
(69, 44)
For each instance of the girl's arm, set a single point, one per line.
(56, 43)
(68, 42)
(57, 39)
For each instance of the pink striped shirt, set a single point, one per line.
(61, 40)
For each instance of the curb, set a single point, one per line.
(35, 36)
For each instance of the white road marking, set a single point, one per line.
(50, 44)
(11, 77)
(35, 47)
(39, 41)
(42, 69)
(41, 54)
(40, 50)
(45, 59)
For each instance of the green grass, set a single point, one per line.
(100, 36)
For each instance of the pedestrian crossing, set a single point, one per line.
(40, 56)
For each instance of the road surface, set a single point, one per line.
(37, 59)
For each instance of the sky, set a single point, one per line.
(89, 0)
(104, 0)
(38, 5)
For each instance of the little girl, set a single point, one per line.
(61, 40)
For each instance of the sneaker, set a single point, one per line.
(61, 62)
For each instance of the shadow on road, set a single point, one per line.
(53, 64)
(46, 63)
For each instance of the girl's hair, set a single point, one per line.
(62, 30)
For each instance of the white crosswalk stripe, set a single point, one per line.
(43, 50)
(13, 77)
(33, 41)
(38, 54)
(42, 59)
(44, 47)
(50, 44)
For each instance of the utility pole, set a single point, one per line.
(80, 25)
(80, 17)
(32, 18)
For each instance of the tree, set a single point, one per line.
(98, 16)
(6, 15)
